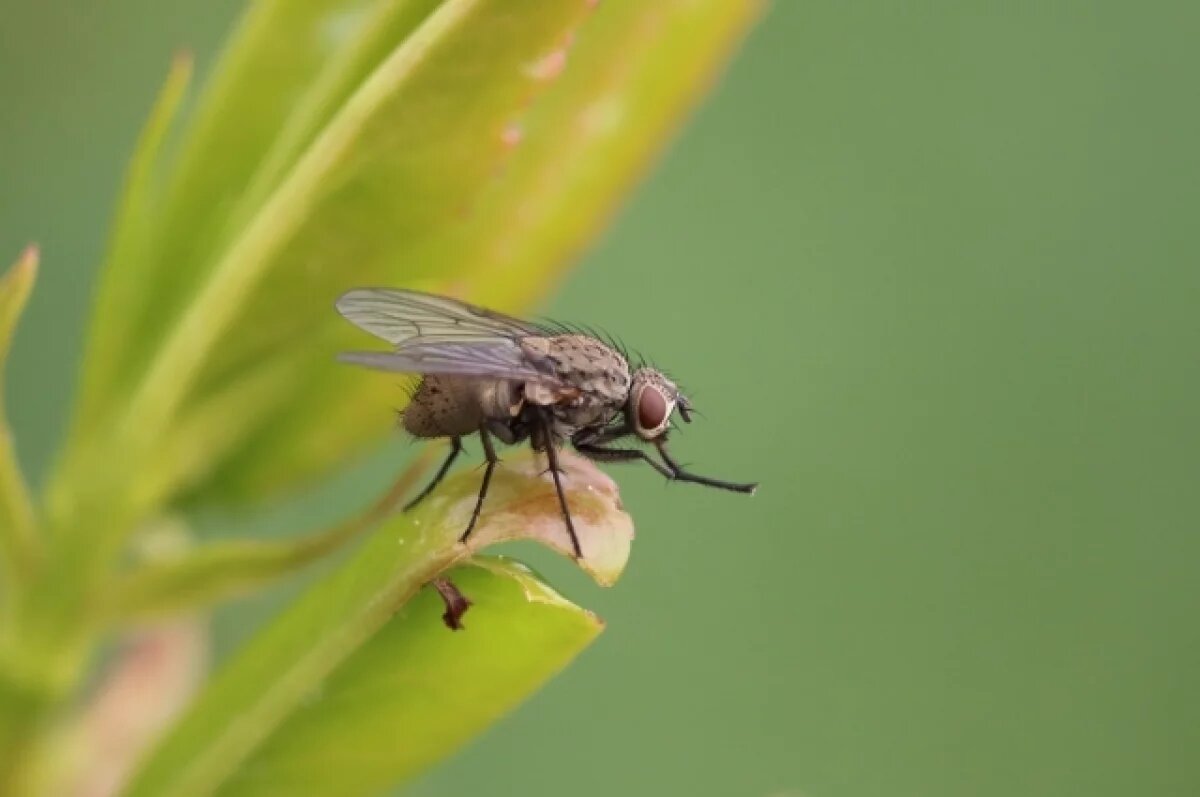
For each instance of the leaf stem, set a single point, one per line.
(222, 571)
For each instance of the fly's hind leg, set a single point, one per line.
(456, 448)
(492, 460)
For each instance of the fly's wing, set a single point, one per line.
(438, 335)
(400, 316)
(501, 360)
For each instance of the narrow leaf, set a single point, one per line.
(194, 578)
(594, 135)
(155, 672)
(418, 692)
(19, 545)
(403, 158)
(248, 710)
(278, 51)
(129, 271)
(612, 97)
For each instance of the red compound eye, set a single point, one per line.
(651, 409)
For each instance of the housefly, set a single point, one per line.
(489, 374)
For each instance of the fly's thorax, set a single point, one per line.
(588, 380)
(582, 364)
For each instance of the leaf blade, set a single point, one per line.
(201, 577)
(128, 274)
(19, 544)
(362, 726)
(566, 175)
(381, 137)
(270, 679)
(278, 49)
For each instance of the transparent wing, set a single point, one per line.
(437, 335)
(400, 316)
(501, 360)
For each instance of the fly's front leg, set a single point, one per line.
(679, 474)
(605, 434)
(599, 453)
(492, 460)
(589, 444)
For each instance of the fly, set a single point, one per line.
(489, 374)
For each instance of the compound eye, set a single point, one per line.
(652, 409)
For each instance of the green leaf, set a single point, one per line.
(294, 687)
(401, 157)
(19, 544)
(20, 548)
(129, 274)
(277, 53)
(625, 80)
(634, 73)
(190, 579)
(387, 713)
(469, 146)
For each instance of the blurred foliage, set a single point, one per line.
(17, 536)
(465, 146)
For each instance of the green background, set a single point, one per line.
(931, 272)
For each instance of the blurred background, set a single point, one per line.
(931, 272)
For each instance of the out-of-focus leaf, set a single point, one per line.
(429, 138)
(635, 72)
(404, 156)
(129, 274)
(314, 681)
(20, 548)
(418, 692)
(270, 65)
(612, 98)
(146, 685)
(19, 545)
(195, 578)
(166, 231)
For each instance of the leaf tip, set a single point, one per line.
(522, 504)
(16, 284)
(183, 62)
(25, 269)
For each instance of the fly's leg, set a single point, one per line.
(492, 460)
(598, 453)
(590, 448)
(679, 474)
(456, 448)
(556, 471)
(456, 603)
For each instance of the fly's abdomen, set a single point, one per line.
(453, 406)
(443, 406)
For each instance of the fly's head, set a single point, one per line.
(652, 399)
